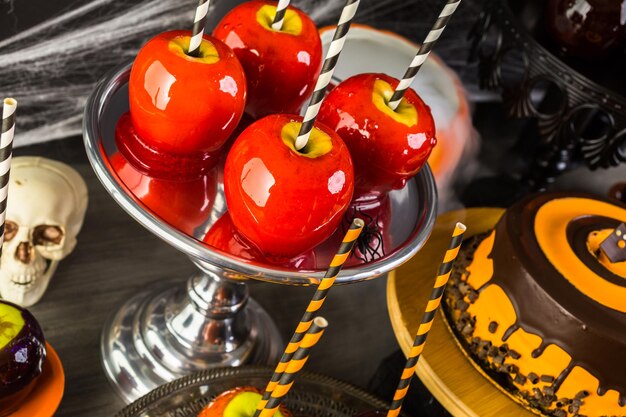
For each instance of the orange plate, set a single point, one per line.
(45, 398)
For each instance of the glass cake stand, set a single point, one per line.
(169, 331)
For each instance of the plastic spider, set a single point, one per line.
(369, 245)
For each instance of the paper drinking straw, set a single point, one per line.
(312, 336)
(427, 319)
(279, 18)
(6, 146)
(332, 56)
(423, 52)
(315, 304)
(199, 22)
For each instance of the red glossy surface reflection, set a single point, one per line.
(185, 205)
(386, 153)
(157, 164)
(283, 202)
(223, 235)
(281, 66)
(185, 105)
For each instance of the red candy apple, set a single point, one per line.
(184, 105)
(224, 236)
(388, 147)
(282, 200)
(281, 66)
(184, 205)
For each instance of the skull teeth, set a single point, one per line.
(23, 279)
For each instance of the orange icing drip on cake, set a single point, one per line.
(498, 307)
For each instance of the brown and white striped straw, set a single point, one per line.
(342, 255)
(312, 336)
(199, 22)
(6, 146)
(427, 320)
(423, 52)
(332, 56)
(279, 18)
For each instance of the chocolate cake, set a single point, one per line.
(541, 309)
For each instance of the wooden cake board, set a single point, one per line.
(443, 368)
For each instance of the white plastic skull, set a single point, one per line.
(45, 211)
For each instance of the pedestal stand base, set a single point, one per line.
(141, 351)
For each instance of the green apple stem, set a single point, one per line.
(423, 52)
(330, 62)
(199, 22)
(279, 18)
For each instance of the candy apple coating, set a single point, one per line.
(144, 158)
(388, 147)
(285, 201)
(22, 354)
(223, 235)
(239, 402)
(185, 205)
(281, 66)
(181, 104)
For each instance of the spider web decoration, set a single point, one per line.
(52, 66)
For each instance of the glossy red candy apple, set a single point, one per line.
(181, 105)
(185, 205)
(239, 402)
(281, 66)
(388, 147)
(223, 235)
(286, 201)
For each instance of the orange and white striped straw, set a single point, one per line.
(342, 255)
(310, 339)
(427, 320)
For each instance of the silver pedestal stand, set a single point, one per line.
(166, 332)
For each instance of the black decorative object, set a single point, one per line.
(579, 107)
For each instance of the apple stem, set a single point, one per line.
(423, 53)
(279, 18)
(330, 62)
(199, 22)
(6, 145)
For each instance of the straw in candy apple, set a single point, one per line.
(239, 402)
(181, 105)
(388, 147)
(282, 200)
(281, 66)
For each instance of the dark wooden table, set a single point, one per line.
(116, 257)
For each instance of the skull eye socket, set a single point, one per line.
(10, 230)
(46, 235)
